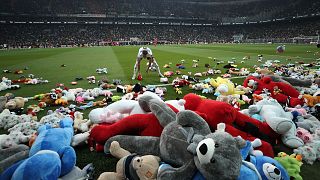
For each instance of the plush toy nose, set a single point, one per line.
(276, 171)
(203, 149)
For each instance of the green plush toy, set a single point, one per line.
(291, 164)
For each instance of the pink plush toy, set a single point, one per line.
(110, 117)
(299, 109)
(304, 135)
(79, 99)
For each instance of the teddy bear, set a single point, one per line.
(282, 92)
(80, 124)
(187, 146)
(279, 120)
(291, 164)
(215, 112)
(310, 100)
(132, 166)
(16, 103)
(49, 99)
(52, 153)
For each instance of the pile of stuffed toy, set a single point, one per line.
(189, 138)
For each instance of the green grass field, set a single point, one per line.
(120, 60)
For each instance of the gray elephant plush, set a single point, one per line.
(186, 144)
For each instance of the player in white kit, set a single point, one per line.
(145, 52)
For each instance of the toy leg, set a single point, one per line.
(136, 124)
(142, 145)
(110, 176)
(117, 151)
(291, 140)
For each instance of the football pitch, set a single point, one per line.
(119, 60)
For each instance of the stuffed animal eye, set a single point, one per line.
(216, 145)
(138, 160)
(212, 160)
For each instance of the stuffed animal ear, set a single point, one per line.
(221, 127)
(192, 148)
(241, 143)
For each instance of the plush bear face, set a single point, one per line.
(11, 104)
(146, 166)
(218, 156)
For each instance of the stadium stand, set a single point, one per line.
(98, 22)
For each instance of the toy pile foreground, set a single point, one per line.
(193, 137)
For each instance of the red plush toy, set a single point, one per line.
(212, 111)
(215, 112)
(282, 92)
(136, 124)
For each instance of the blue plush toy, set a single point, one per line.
(267, 167)
(50, 157)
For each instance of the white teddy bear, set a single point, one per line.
(279, 120)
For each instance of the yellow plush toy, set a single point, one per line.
(224, 87)
(145, 167)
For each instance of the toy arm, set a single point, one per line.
(167, 172)
(68, 159)
(142, 145)
(191, 119)
(255, 109)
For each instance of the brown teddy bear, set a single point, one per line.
(131, 166)
(15, 103)
(311, 100)
(49, 99)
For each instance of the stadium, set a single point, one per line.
(220, 89)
